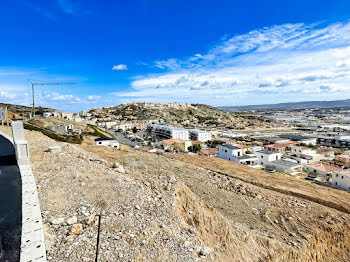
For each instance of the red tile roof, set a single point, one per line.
(209, 151)
(323, 167)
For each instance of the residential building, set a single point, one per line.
(122, 127)
(321, 171)
(341, 180)
(280, 148)
(61, 129)
(67, 115)
(105, 141)
(229, 152)
(168, 131)
(209, 152)
(176, 144)
(326, 153)
(286, 166)
(343, 160)
(248, 160)
(200, 135)
(266, 157)
(304, 155)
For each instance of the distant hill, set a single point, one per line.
(168, 112)
(292, 105)
(20, 111)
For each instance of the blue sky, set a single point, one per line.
(225, 52)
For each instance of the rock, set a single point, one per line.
(119, 168)
(49, 237)
(292, 234)
(276, 221)
(55, 149)
(204, 251)
(137, 207)
(70, 238)
(243, 192)
(72, 220)
(89, 220)
(187, 244)
(57, 221)
(77, 229)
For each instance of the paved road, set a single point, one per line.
(10, 203)
(123, 139)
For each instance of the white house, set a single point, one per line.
(341, 180)
(168, 131)
(304, 155)
(122, 127)
(67, 115)
(105, 141)
(320, 170)
(229, 152)
(248, 160)
(200, 135)
(267, 156)
(286, 166)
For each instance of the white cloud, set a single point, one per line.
(93, 98)
(279, 63)
(120, 67)
(6, 95)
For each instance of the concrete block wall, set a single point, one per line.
(32, 241)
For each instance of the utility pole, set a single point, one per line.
(33, 84)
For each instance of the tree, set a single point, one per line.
(195, 148)
(134, 130)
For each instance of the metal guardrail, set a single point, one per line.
(32, 239)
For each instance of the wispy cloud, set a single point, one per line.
(40, 10)
(120, 67)
(72, 7)
(282, 62)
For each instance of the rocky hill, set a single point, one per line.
(19, 111)
(168, 112)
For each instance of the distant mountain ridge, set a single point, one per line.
(292, 105)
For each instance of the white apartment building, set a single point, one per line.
(341, 180)
(200, 135)
(304, 155)
(168, 131)
(229, 152)
(267, 156)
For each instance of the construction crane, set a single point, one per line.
(33, 84)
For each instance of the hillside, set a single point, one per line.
(18, 111)
(180, 208)
(292, 105)
(171, 112)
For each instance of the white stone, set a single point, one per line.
(55, 149)
(72, 220)
(204, 251)
(57, 221)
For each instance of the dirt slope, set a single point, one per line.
(178, 208)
